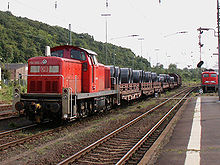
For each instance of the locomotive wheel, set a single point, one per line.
(90, 108)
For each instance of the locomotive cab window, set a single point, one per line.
(94, 59)
(58, 53)
(77, 55)
(213, 75)
(205, 75)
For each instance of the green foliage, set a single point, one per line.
(22, 38)
(6, 93)
(188, 75)
(6, 74)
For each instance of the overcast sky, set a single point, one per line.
(149, 19)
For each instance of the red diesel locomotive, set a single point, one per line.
(69, 83)
(209, 81)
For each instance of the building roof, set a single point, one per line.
(14, 65)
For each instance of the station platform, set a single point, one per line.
(196, 137)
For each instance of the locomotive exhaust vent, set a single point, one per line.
(47, 51)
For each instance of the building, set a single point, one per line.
(16, 70)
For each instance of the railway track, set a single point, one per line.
(6, 112)
(127, 144)
(5, 107)
(10, 138)
(18, 136)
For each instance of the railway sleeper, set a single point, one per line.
(106, 155)
(83, 162)
(110, 159)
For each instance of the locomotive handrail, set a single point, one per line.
(114, 80)
(71, 102)
(75, 94)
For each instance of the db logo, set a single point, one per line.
(43, 68)
(44, 61)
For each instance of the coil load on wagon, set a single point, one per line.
(171, 79)
(162, 77)
(167, 78)
(115, 74)
(137, 76)
(154, 77)
(177, 79)
(147, 77)
(126, 75)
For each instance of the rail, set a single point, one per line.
(135, 148)
(107, 137)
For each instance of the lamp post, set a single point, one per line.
(181, 32)
(114, 58)
(128, 36)
(106, 33)
(157, 50)
(218, 50)
(168, 60)
(133, 35)
(0, 73)
(168, 35)
(141, 39)
(0, 77)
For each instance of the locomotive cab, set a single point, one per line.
(95, 76)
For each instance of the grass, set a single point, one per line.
(6, 93)
(12, 125)
(23, 134)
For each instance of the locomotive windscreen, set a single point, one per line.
(58, 53)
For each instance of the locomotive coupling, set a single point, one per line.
(35, 107)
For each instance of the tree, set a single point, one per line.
(172, 68)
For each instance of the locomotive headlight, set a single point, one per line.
(206, 81)
(16, 95)
(65, 116)
(16, 90)
(213, 82)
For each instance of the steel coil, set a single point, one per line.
(126, 75)
(147, 77)
(154, 76)
(137, 76)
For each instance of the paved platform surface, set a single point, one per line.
(196, 137)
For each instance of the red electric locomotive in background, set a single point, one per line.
(209, 81)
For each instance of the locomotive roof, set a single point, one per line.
(70, 46)
(209, 72)
(89, 51)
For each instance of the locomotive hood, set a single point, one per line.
(44, 60)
